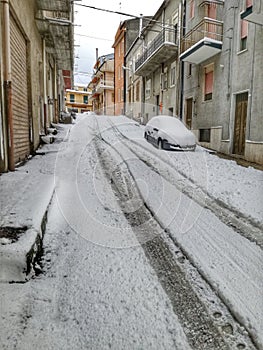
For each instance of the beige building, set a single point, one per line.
(78, 99)
(36, 63)
(102, 85)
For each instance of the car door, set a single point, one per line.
(155, 131)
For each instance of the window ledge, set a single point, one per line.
(242, 51)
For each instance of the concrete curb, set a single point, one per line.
(17, 259)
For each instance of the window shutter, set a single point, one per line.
(212, 11)
(192, 9)
(209, 78)
(249, 3)
(244, 29)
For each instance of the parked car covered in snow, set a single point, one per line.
(169, 133)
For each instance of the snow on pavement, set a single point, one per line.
(229, 261)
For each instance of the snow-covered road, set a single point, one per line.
(138, 252)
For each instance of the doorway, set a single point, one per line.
(157, 104)
(240, 124)
(189, 112)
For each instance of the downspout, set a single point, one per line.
(45, 85)
(8, 84)
(182, 62)
(124, 84)
(56, 92)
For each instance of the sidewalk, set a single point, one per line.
(25, 197)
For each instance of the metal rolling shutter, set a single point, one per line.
(19, 92)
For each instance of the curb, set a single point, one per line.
(18, 259)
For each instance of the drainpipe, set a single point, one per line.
(8, 85)
(45, 84)
(182, 62)
(55, 97)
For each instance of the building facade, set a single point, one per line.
(102, 85)
(78, 99)
(201, 60)
(157, 61)
(118, 70)
(125, 36)
(36, 63)
(222, 62)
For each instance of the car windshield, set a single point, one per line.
(168, 123)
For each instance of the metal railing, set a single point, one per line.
(207, 28)
(167, 35)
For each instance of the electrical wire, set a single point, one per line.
(110, 11)
(93, 37)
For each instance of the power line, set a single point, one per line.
(110, 11)
(93, 37)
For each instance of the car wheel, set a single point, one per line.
(160, 144)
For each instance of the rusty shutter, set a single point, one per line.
(19, 92)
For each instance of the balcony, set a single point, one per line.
(252, 14)
(101, 86)
(202, 42)
(162, 48)
(53, 20)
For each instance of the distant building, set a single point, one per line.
(78, 99)
(127, 32)
(102, 85)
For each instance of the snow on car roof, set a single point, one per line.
(167, 122)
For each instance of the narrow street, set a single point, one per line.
(138, 254)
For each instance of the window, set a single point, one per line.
(137, 91)
(249, 3)
(209, 80)
(189, 72)
(244, 31)
(122, 95)
(85, 99)
(72, 98)
(212, 10)
(164, 79)
(122, 46)
(172, 76)
(191, 9)
(148, 88)
(204, 135)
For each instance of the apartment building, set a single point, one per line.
(202, 61)
(221, 61)
(102, 85)
(36, 63)
(156, 61)
(78, 99)
(125, 36)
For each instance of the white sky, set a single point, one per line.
(98, 29)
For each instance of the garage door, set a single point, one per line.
(19, 92)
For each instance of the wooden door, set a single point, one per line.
(240, 123)
(189, 112)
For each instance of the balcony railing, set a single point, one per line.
(207, 28)
(167, 36)
(102, 85)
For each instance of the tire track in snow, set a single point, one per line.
(199, 326)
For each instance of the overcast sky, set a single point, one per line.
(97, 29)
